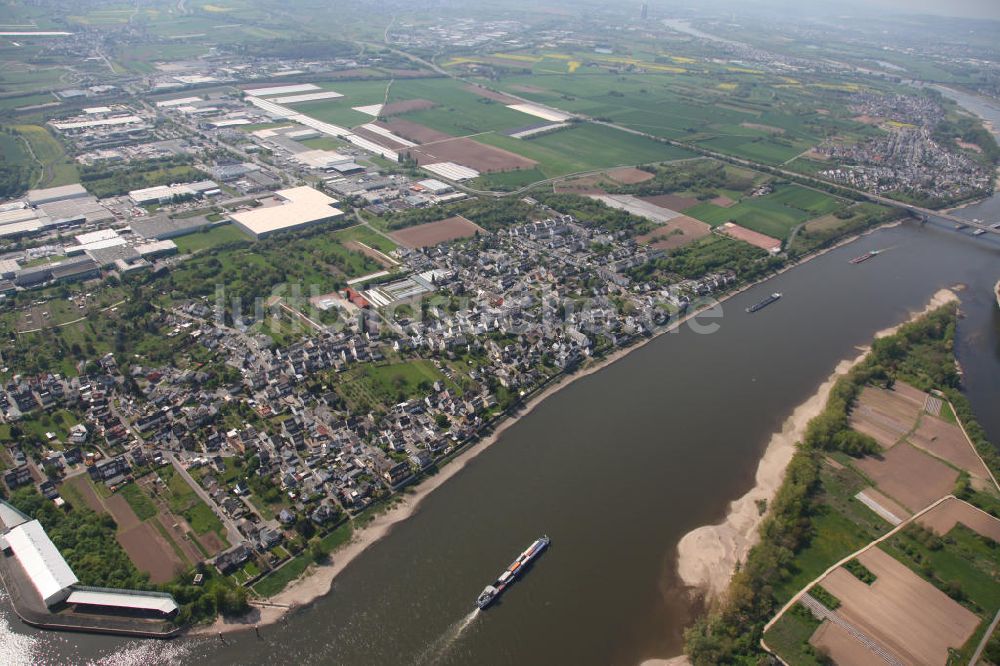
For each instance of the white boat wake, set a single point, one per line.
(439, 648)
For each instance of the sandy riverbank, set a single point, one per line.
(708, 555)
(318, 579)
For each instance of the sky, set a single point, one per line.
(989, 9)
(972, 8)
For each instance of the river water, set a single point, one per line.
(615, 468)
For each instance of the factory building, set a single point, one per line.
(290, 209)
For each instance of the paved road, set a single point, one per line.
(986, 639)
(232, 533)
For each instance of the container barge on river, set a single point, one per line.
(511, 573)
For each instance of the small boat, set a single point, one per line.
(764, 303)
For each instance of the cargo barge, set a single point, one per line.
(511, 573)
(865, 257)
(764, 303)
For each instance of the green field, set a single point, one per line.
(201, 240)
(367, 236)
(961, 560)
(185, 502)
(52, 166)
(775, 214)
(790, 635)
(339, 111)
(508, 180)
(759, 116)
(835, 537)
(137, 499)
(586, 147)
(386, 385)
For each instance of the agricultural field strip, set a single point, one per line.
(888, 535)
(821, 612)
(870, 502)
(797, 597)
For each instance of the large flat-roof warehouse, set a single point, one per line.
(298, 207)
(43, 568)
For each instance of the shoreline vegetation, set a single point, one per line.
(751, 557)
(708, 556)
(317, 580)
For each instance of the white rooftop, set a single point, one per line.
(282, 90)
(41, 560)
(102, 244)
(302, 205)
(321, 159)
(59, 193)
(308, 97)
(451, 171)
(80, 124)
(177, 102)
(94, 236)
(539, 111)
(165, 605)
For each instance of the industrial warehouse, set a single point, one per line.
(290, 209)
(46, 593)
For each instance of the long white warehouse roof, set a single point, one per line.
(543, 112)
(165, 605)
(451, 171)
(41, 560)
(119, 120)
(282, 90)
(308, 97)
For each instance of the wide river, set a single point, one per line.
(615, 468)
